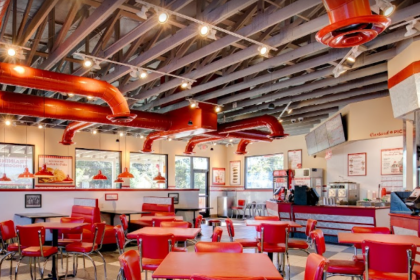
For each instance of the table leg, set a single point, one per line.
(112, 219)
(193, 219)
(54, 244)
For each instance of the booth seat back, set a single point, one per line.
(90, 214)
(156, 208)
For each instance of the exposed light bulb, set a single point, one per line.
(214, 144)
(163, 17)
(143, 74)
(204, 30)
(218, 109)
(40, 126)
(90, 97)
(121, 134)
(351, 59)
(263, 50)
(94, 131)
(70, 94)
(280, 120)
(11, 52)
(289, 111)
(141, 136)
(389, 10)
(184, 85)
(169, 139)
(87, 63)
(230, 140)
(7, 122)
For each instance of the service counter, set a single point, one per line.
(332, 219)
(405, 224)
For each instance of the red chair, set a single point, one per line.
(198, 221)
(32, 238)
(7, 232)
(69, 236)
(217, 235)
(156, 222)
(274, 240)
(120, 237)
(176, 224)
(160, 214)
(218, 247)
(388, 261)
(240, 206)
(375, 230)
(303, 245)
(245, 242)
(85, 249)
(153, 249)
(124, 224)
(337, 267)
(264, 218)
(315, 267)
(130, 265)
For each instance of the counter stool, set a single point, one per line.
(214, 222)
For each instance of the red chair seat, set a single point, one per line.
(358, 258)
(247, 242)
(214, 221)
(36, 251)
(66, 241)
(345, 267)
(179, 249)
(151, 264)
(298, 244)
(14, 247)
(80, 247)
(237, 207)
(379, 275)
(272, 247)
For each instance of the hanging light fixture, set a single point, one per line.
(119, 180)
(44, 173)
(159, 179)
(26, 174)
(5, 178)
(126, 173)
(99, 176)
(68, 179)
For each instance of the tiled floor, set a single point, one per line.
(297, 258)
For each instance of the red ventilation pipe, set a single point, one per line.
(277, 131)
(189, 149)
(241, 149)
(71, 129)
(18, 75)
(31, 105)
(351, 24)
(4, 4)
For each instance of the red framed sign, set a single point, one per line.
(357, 164)
(111, 197)
(392, 161)
(218, 176)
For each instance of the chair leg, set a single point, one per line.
(67, 266)
(30, 268)
(17, 266)
(99, 253)
(11, 259)
(145, 274)
(94, 266)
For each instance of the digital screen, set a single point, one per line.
(335, 131)
(311, 143)
(321, 137)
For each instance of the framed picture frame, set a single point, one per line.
(294, 159)
(60, 166)
(111, 197)
(33, 200)
(218, 176)
(357, 164)
(235, 172)
(392, 161)
(175, 197)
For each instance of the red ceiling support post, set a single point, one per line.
(351, 24)
(241, 149)
(70, 130)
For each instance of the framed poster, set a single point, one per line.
(60, 166)
(175, 196)
(357, 164)
(392, 161)
(294, 159)
(111, 197)
(218, 176)
(33, 200)
(235, 172)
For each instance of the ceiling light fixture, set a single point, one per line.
(339, 70)
(94, 131)
(40, 126)
(214, 143)
(204, 30)
(186, 84)
(263, 51)
(284, 111)
(163, 17)
(289, 111)
(386, 7)
(87, 63)
(7, 122)
(143, 74)
(70, 94)
(218, 109)
(11, 52)
(193, 103)
(121, 134)
(141, 136)
(97, 65)
(142, 13)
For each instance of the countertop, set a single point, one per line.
(335, 206)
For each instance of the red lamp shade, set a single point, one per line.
(100, 176)
(161, 182)
(5, 178)
(119, 180)
(26, 174)
(68, 179)
(159, 178)
(126, 174)
(44, 172)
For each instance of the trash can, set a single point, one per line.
(224, 206)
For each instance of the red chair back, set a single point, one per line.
(217, 235)
(230, 228)
(218, 247)
(389, 257)
(310, 226)
(164, 214)
(124, 222)
(130, 265)
(154, 246)
(7, 230)
(157, 222)
(241, 202)
(378, 230)
(274, 233)
(29, 235)
(198, 221)
(78, 230)
(100, 233)
(315, 265)
(267, 218)
(318, 237)
(120, 237)
(175, 224)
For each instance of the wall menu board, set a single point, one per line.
(327, 135)
(392, 161)
(356, 164)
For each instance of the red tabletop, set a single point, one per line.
(149, 218)
(238, 265)
(188, 233)
(357, 238)
(259, 222)
(58, 226)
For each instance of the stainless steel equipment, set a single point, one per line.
(311, 177)
(224, 206)
(344, 192)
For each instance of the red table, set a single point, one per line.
(259, 222)
(238, 265)
(188, 233)
(357, 238)
(150, 218)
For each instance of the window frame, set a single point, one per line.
(99, 150)
(246, 168)
(166, 165)
(33, 160)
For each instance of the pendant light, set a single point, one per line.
(99, 176)
(126, 173)
(119, 180)
(44, 173)
(4, 178)
(26, 174)
(68, 179)
(159, 179)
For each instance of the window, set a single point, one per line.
(259, 170)
(145, 167)
(88, 164)
(182, 172)
(13, 160)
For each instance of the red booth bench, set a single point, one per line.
(159, 206)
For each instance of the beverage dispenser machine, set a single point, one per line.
(282, 179)
(311, 177)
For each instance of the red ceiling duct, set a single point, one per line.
(241, 149)
(18, 75)
(189, 149)
(351, 24)
(71, 129)
(276, 129)
(3, 8)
